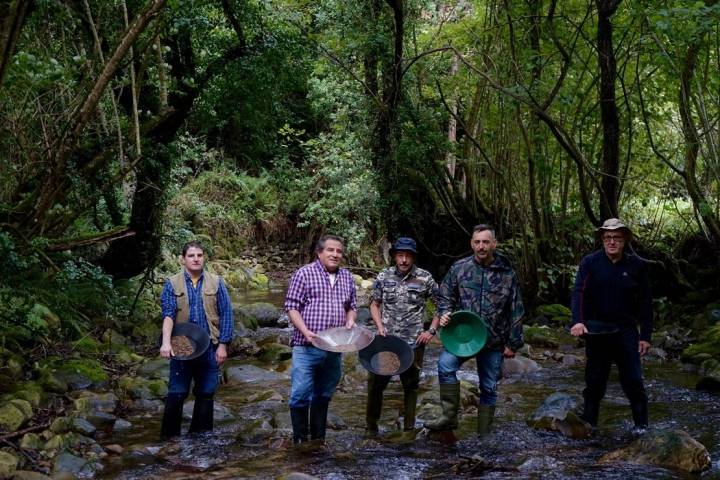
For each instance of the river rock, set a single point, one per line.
(364, 317)
(335, 422)
(366, 284)
(519, 366)
(243, 346)
(114, 448)
(142, 388)
(664, 448)
(91, 402)
(71, 424)
(69, 464)
(14, 414)
(296, 476)
(122, 424)
(256, 431)
(31, 441)
(275, 352)
(157, 369)
(554, 314)
(253, 374)
(220, 414)
(32, 392)
(265, 314)
(545, 337)
(102, 421)
(357, 279)
(113, 338)
(709, 383)
(81, 374)
(560, 412)
(8, 464)
(29, 475)
(568, 359)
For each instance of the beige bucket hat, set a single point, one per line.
(613, 224)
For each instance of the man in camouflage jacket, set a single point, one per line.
(399, 298)
(486, 284)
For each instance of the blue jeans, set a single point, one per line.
(489, 369)
(314, 376)
(203, 370)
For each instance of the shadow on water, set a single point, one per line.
(513, 450)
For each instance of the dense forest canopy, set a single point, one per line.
(129, 126)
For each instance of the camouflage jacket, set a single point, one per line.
(492, 292)
(403, 299)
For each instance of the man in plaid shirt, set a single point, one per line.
(321, 296)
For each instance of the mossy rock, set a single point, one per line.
(237, 279)
(8, 464)
(275, 352)
(708, 348)
(30, 391)
(259, 281)
(545, 337)
(32, 441)
(88, 344)
(87, 368)
(14, 414)
(557, 313)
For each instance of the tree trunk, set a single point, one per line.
(13, 14)
(610, 184)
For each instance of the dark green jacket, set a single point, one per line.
(490, 291)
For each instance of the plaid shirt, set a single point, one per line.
(320, 305)
(168, 304)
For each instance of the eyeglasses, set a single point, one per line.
(613, 238)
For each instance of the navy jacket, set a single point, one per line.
(616, 293)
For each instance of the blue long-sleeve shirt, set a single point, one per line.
(168, 304)
(617, 293)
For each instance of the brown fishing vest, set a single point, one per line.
(209, 300)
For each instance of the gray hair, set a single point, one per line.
(483, 227)
(320, 245)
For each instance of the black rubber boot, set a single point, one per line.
(409, 408)
(318, 418)
(591, 411)
(450, 402)
(299, 418)
(172, 416)
(640, 413)
(373, 409)
(203, 415)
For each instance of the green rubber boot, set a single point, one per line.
(450, 401)
(485, 416)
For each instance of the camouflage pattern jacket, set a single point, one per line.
(402, 300)
(492, 292)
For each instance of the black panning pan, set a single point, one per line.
(197, 336)
(372, 360)
(596, 327)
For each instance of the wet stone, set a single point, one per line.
(8, 464)
(157, 369)
(519, 366)
(664, 448)
(221, 412)
(560, 413)
(252, 374)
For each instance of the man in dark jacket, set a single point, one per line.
(486, 284)
(611, 296)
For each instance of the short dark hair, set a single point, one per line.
(484, 227)
(320, 245)
(191, 244)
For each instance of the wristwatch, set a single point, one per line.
(432, 331)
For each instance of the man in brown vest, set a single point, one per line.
(199, 297)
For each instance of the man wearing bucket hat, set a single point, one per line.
(486, 284)
(398, 307)
(201, 298)
(611, 296)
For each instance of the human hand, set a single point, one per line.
(382, 331)
(309, 335)
(221, 354)
(166, 350)
(643, 347)
(578, 329)
(350, 323)
(445, 319)
(507, 353)
(424, 338)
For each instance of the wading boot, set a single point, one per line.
(299, 419)
(172, 416)
(485, 416)
(373, 408)
(450, 402)
(640, 415)
(591, 410)
(318, 418)
(409, 407)
(203, 415)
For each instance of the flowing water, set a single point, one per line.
(513, 450)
